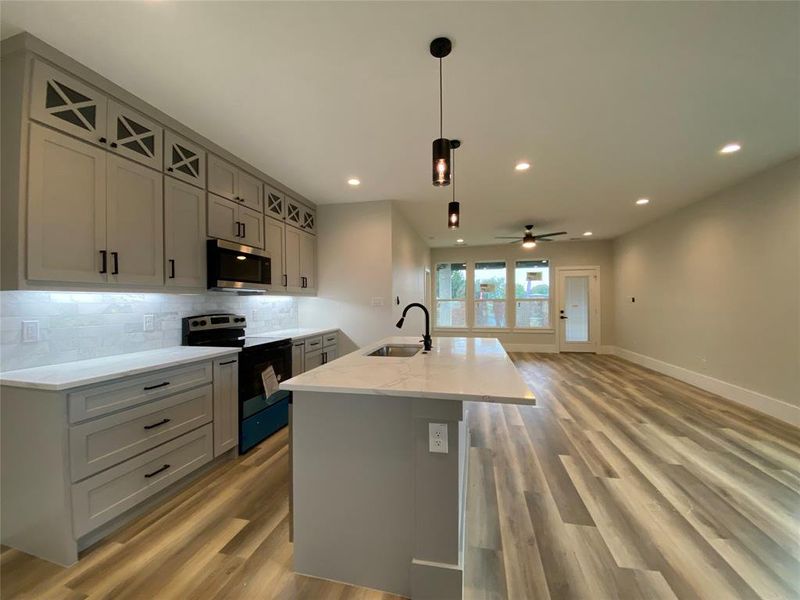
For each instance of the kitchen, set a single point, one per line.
(398, 300)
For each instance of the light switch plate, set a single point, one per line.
(149, 322)
(30, 331)
(437, 438)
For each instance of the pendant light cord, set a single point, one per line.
(453, 175)
(441, 113)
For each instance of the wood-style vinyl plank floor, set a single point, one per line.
(620, 484)
(624, 483)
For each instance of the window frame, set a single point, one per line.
(436, 299)
(550, 271)
(471, 268)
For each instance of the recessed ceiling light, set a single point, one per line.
(459, 241)
(642, 201)
(587, 233)
(354, 181)
(523, 166)
(730, 148)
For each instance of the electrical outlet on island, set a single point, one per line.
(437, 438)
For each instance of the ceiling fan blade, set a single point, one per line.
(546, 235)
(544, 240)
(516, 241)
(507, 237)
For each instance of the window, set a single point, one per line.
(451, 295)
(490, 294)
(532, 294)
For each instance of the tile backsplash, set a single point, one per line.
(79, 325)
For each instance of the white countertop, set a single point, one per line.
(457, 368)
(295, 334)
(95, 370)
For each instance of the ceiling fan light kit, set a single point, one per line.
(528, 239)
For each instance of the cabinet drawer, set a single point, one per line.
(313, 344)
(103, 399)
(102, 443)
(329, 339)
(99, 499)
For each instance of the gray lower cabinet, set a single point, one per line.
(226, 404)
(76, 462)
(298, 357)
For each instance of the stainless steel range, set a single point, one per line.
(260, 415)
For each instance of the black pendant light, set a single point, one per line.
(440, 47)
(454, 208)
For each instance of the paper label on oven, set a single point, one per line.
(270, 381)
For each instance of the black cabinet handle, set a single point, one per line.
(104, 257)
(153, 387)
(159, 424)
(157, 471)
(172, 268)
(113, 144)
(228, 362)
(238, 229)
(115, 256)
(244, 229)
(285, 281)
(324, 357)
(169, 169)
(102, 140)
(563, 317)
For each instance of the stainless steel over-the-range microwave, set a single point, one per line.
(237, 268)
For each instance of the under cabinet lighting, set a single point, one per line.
(241, 257)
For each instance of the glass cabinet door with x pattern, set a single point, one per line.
(134, 136)
(184, 160)
(65, 103)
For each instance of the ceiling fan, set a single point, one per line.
(529, 240)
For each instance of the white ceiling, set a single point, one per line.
(609, 101)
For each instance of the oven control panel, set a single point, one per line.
(219, 321)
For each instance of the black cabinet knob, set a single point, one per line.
(113, 144)
(102, 140)
(169, 169)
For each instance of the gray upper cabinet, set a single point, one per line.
(233, 222)
(294, 212)
(274, 203)
(274, 242)
(135, 223)
(184, 235)
(66, 103)
(66, 209)
(234, 184)
(249, 192)
(134, 136)
(184, 160)
(222, 178)
(308, 220)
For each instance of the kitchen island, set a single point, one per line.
(379, 461)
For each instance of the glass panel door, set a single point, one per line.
(578, 304)
(576, 308)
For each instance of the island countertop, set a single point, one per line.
(457, 368)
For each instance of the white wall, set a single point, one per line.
(80, 325)
(354, 266)
(410, 257)
(559, 254)
(717, 286)
(366, 251)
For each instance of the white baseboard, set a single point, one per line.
(607, 350)
(757, 401)
(530, 347)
